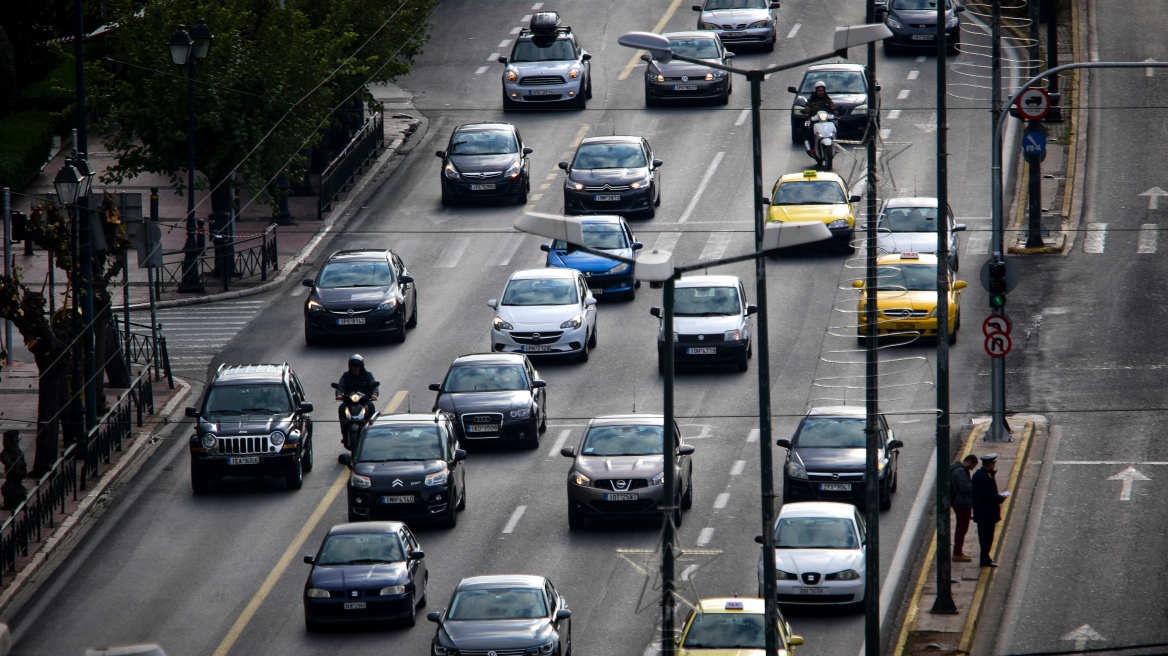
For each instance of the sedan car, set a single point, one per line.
(909, 225)
(613, 175)
(913, 24)
(740, 21)
(828, 453)
(817, 196)
(732, 625)
(547, 67)
(619, 470)
(495, 397)
(819, 554)
(505, 614)
(485, 160)
(373, 571)
(679, 79)
(847, 84)
(362, 292)
(407, 467)
(605, 277)
(906, 298)
(549, 311)
(711, 323)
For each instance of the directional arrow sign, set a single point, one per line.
(1127, 476)
(929, 127)
(1081, 635)
(1154, 195)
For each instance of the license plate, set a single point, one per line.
(595, 291)
(351, 321)
(621, 496)
(685, 87)
(836, 487)
(922, 37)
(607, 198)
(732, 35)
(354, 605)
(482, 187)
(403, 498)
(537, 348)
(543, 92)
(252, 460)
(702, 350)
(482, 428)
(811, 591)
(902, 325)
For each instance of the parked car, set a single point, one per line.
(679, 79)
(360, 293)
(613, 175)
(495, 398)
(485, 161)
(605, 277)
(504, 614)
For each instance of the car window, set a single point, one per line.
(483, 142)
(907, 277)
(918, 4)
(355, 274)
(836, 81)
(360, 549)
(696, 47)
(383, 443)
(705, 301)
(483, 378)
(831, 433)
(265, 398)
(536, 49)
(910, 219)
(541, 291)
(609, 156)
(498, 604)
(624, 441)
(599, 235)
(549, 595)
(726, 631)
(735, 4)
(809, 192)
(815, 533)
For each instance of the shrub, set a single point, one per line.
(26, 139)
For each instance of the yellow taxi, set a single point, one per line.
(817, 196)
(906, 297)
(732, 627)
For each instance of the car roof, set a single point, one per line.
(358, 255)
(540, 274)
(707, 281)
(488, 358)
(364, 528)
(835, 66)
(898, 258)
(817, 509)
(912, 201)
(493, 581)
(625, 420)
(611, 139)
(477, 127)
(709, 34)
(602, 218)
(405, 417)
(251, 373)
(750, 605)
(838, 411)
(819, 175)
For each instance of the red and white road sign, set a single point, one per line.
(995, 323)
(1034, 103)
(997, 345)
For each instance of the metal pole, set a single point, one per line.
(191, 281)
(8, 266)
(84, 229)
(1034, 193)
(1035, 31)
(669, 503)
(871, 366)
(1052, 59)
(76, 403)
(150, 282)
(997, 366)
(996, 59)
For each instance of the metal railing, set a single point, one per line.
(141, 348)
(251, 256)
(341, 172)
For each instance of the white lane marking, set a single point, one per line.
(715, 246)
(742, 117)
(1154, 195)
(912, 75)
(537, 6)
(555, 450)
(504, 43)
(978, 243)
(931, 126)
(510, 526)
(701, 187)
(752, 436)
(505, 250)
(298, 291)
(794, 31)
(666, 241)
(721, 500)
(1127, 476)
(885, 132)
(738, 468)
(903, 94)
(494, 56)
(482, 69)
(452, 253)
(1096, 238)
(526, 18)
(1149, 72)
(920, 59)
(690, 569)
(893, 115)
(1107, 462)
(516, 30)
(1147, 241)
(705, 536)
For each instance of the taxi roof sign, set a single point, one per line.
(910, 256)
(810, 174)
(734, 605)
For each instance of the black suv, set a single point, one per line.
(494, 397)
(613, 175)
(407, 467)
(367, 292)
(485, 160)
(847, 85)
(253, 421)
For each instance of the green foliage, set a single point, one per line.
(7, 75)
(25, 141)
(52, 93)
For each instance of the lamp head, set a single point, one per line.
(202, 37)
(655, 43)
(552, 226)
(858, 35)
(180, 45)
(67, 182)
(778, 234)
(86, 174)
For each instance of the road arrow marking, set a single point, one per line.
(1154, 195)
(1127, 476)
(1149, 72)
(931, 126)
(1081, 635)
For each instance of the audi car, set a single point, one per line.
(711, 323)
(817, 196)
(678, 79)
(740, 21)
(819, 554)
(847, 84)
(908, 224)
(547, 67)
(360, 293)
(504, 615)
(485, 160)
(605, 277)
(906, 299)
(495, 398)
(613, 175)
(913, 24)
(548, 311)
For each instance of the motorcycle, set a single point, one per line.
(821, 146)
(356, 413)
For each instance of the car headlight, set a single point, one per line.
(573, 74)
(933, 312)
(574, 186)
(514, 170)
(357, 480)
(860, 110)
(208, 441)
(388, 304)
(846, 575)
(732, 335)
(656, 78)
(276, 438)
(451, 172)
(661, 337)
(838, 224)
(761, 23)
(512, 75)
(894, 24)
(785, 576)
(579, 479)
(313, 306)
(659, 479)
(521, 413)
(574, 322)
(951, 23)
(710, 26)
(713, 75)
(502, 325)
(317, 593)
(620, 268)
(542, 650)
(642, 184)
(796, 470)
(392, 590)
(438, 478)
(439, 650)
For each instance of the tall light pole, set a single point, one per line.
(187, 51)
(83, 285)
(68, 183)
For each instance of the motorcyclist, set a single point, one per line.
(819, 101)
(357, 379)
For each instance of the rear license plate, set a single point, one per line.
(252, 460)
(537, 348)
(351, 321)
(621, 496)
(607, 198)
(810, 591)
(542, 92)
(354, 605)
(685, 87)
(922, 37)
(595, 291)
(835, 487)
(482, 428)
(482, 187)
(732, 35)
(704, 350)
(402, 498)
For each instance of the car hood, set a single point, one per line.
(545, 67)
(479, 163)
(735, 16)
(587, 262)
(831, 460)
(706, 325)
(352, 298)
(841, 100)
(526, 318)
(677, 68)
(497, 401)
(498, 634)
(825, 213)
(721, 652)
(918, 16)
(621, 466)
(822, 561)
(399, 467)
(344, 577)
(915, 300)
(908, 242)
(255, 424)
(611, 176)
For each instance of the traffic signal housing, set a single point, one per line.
(997, 285)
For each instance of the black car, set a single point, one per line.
(373, 571)
(254, 421)
(613, 175)
(679, 79)
(485, 160)
(367, 292)
(913, 24)
(847, 84)
(827, 455)
(495, 397)
(508, 615)
(407, 467)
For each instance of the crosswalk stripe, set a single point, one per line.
(666, 241)
(505, 250)
(1096, 237)
(715, 246)
(452, 253)
(1149, 232)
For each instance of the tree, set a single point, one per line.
(7, 75)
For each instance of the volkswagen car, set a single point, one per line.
(908, 224)
(605, 277)
(740, 21)
(913, 24)
(360, 293)
(485, 160)
(613, 175)
(906, 298)
(732, 625)
(819, 554)
(509, 614)
(678, 79)
(495, 398)
(549, 311)
(817, 196)
(547, 67)
(847, 84)
(711, 323)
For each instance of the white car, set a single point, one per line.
(548, 311)
(711, 323)
(909, 225)
(819, 554)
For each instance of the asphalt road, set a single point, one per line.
(221, 574)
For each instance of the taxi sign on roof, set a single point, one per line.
(809, 174)
(910, 256)
(734, 605)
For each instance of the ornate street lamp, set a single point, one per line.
(186, 51)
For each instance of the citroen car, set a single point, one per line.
(678, 79)
(485, 160)
(547, 67)
(605, 277)
(732, 625)
(613, 175)
(913, 24)
(548, 311)
(495, 398)
(819, 554)
(817, 196)
(711, 323)
(360, 293)
(909, 225)
(847, 84)
(740, 21)
(509, 614)
(906, 298)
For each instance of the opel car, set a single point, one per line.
(678, 79)
(605, 277)
(613, 175)
(740, 21)
(547, 67)
(485, 160)
(360, 293)
(819, 554)
(909, 225)
(847, 84)
(817, 196)
(906, 298)
(732, 625)
(508, 614)
(548, 311)
(913, 24)
(711, 323)
(495, 398)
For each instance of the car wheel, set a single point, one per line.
(957, 322)
(583, 356)
(660, 365)
(312, 626)
(592, 340)
(425, 590)
(895, 479)
(770, 45)
(749, 349)
(651, 212)
(796, 137)
(889, 49)
(413, 321)
(295, 478)
(543, 423)
(200, 484)
(576, 520)
(310, 339)
(687, 498)
(631, 295)
(521, 197)
(677, 515)
(952, 338)
(588, 92)
(885, 499)
(399, 335)
(307, 456)
(411, 619)
(461, 500)
(533, 441)
(744, 363)
(451, 519)
(725, 98)
(650, 101)
(447, 198)
(579, 102)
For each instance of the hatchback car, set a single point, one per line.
(407, 467)
(827, 456)
(605, 277)
(817, 196)
(847, 84)
(619, 470)
(711, 323)
(613, 175)
(495, 397)
(485, 160)
(906, 298)
(547, 311)
(503, 614)
(732, 625)
(357, 293)
(819, 554)
(678, 79)
(373, 571)
(740, 21)
(913, 24)
(909, 225)
(547, 67)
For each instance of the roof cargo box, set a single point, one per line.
(545, 22)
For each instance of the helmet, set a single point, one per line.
(356, 359)
(820, 85)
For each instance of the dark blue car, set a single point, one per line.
(605, 277)
(367, 572)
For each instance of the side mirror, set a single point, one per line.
(655, 311)
(657, 163)
(858, 284)
(758, 539)
(568, 452)
(545, 248)
(563, 165)
(792, 90)
(334, 386)
(589, 302)
(345, 459)
(416, 554)
(435, 387)
(435, 616)
(309, 559)
(637, 246)
(855, 198)
(646, 57)
(795, 640)
(896, 444)
(696, 7)
(774, 5)
(305, 407)
(192, 412)
(959, 227)
(527, 151)
(783, 442)
(536, 384)
(959, 8)
(959, 285)
(493, 303)
(441, 154)
(877, 87)
(307, 282)
(405, 280)
(459, 455)
(585, 57)
(728, 55)
(751, 309)
(685, 450)
(502, 60)
(563, 614)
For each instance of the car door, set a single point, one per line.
(538, 393)
(457, 470)
(416, 567)
(589, 310)
(564, 626)
(745, 317)
(304, 419)
(684, 464)
(654, 174)
(890, 455)
(408, 290)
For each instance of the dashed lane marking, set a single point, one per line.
(721, 500)
(666, 241)
(702, 187)
(912, 75)
(885, 133)
(482, 69)
(1149, 232)
(511, 523)
(516, 30)
(893, 114)
(903, 94)
(555, 450)
(705, 536)
(624, 75)
(742, 117)
(738, 468)
(1096, 238)
(752, 436)
(715, 246)
(494, 57)
(504, 43)
(794, 30)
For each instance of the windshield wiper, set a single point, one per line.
(362, 561)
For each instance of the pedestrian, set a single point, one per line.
(961, 500)
(987, 505)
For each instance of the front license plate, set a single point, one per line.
(685, 87)
(354, 605)
(621, 496)
(252, 460)
(402, 498)
(732, 35)
(482, 428)
(537, 348)
(482, 187)
(836, 487)
(602, 199)
(902, 325)
(595, 291)
(922, 37)
(810, 591)
(703, 350)
(542, 92)
(351, 321)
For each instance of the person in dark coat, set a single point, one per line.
(961, 500)
(358, 379)
(987, 506)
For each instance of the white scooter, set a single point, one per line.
(821, 146)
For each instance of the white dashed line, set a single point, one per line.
(482, 69)
(738, 468)
(715, 246)
(794, 31)
(514, 519)
(505, 250)
(704, 537)
(752, 436)
(701, 187)
(1148, 234)
(893, 114)
(504, 43)
(555, 450)
(526, 18)
(1096, 236)
(903, 94)
(452, 253)
(912, 75)
(884, 132)
(494, 57)
(921, 59)
(742, 117)
(516, 30)
(537, 6)
(667, 240)
(721, 500)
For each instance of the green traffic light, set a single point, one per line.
(997, 300)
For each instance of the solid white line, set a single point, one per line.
(893, 115)
(1148, 235)
(505, 250)
(752, 436)
(514, 519)
(516, 30)
(504, 43)
(742, 117)
(715, 246)
(452, 253)
(482, 69)
(721, 500)
(555, 450)
(739, 466)
(794, 31)
(494, 56)
(1096, 237)
(912, 75)
(705, 536)
(1107, 462)
(903, 94)
(666, 241)
(701, 187)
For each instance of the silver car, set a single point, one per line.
(679, 79)
(711, 323)
(547, 67)
(909, 225)
(740, 21)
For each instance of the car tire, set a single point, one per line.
(543, 423)
(677, 517)
(413, 320)
(579, 102)
(895, 479)
(592, 340)
(295, 478)
(447, 198)
(885, 500)
(588, 91)
(533, 441)
(583, 355)
(411, 620)
(451, 519)
(310, 339)
(769, 46)
(422, 601)
(399, 335)
(660, 365)
(650, 101)
(687, 498)
(952, 338)
(521, 197)
(650, 213)
(312, 626)
(307, 457)
(200, 484)
(461, 501)
(576, 520)
(749, 350)
(744, 363)
(725, 98)
(796, 136)
(890, 49)
(631, 295)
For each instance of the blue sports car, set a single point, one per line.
(605, 277)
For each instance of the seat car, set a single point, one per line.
(372, 571)
(732, 625)
(847, 84)
(740, 21)
(817, 196)
(407, 467)
(547, 67)
(711, 323)
(605, 277)
(827, 455)
(360, 292)
(485, 161)
(913, 24)
(613, 175)
(908, 224)
(253, 420)
(906, 298)
(549, 311)
(503, 614)
(618, 470)
(495, 398)
(819, 554)
(678, 79)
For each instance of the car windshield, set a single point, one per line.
(498, 604)
(484, 142)
(360, 550)
(910, 219)
(355, 274)
(541, 291)
(607, 236)
(383, 443)
(832, 433)
(485, 378)
(696, 47)
(836, 81)
(705, 301)
(609, 156)
(918, 4)
(809, 192)
(911, 278)
(735, 4)
(624, 441)
(537, 49)
(247, 399)
(815, 533)
(726, 631)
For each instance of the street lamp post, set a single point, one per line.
(85, 289)
(68, 184)
(187, 50)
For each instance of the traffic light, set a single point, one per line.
(998, 285)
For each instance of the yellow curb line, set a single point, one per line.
(624, 75)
